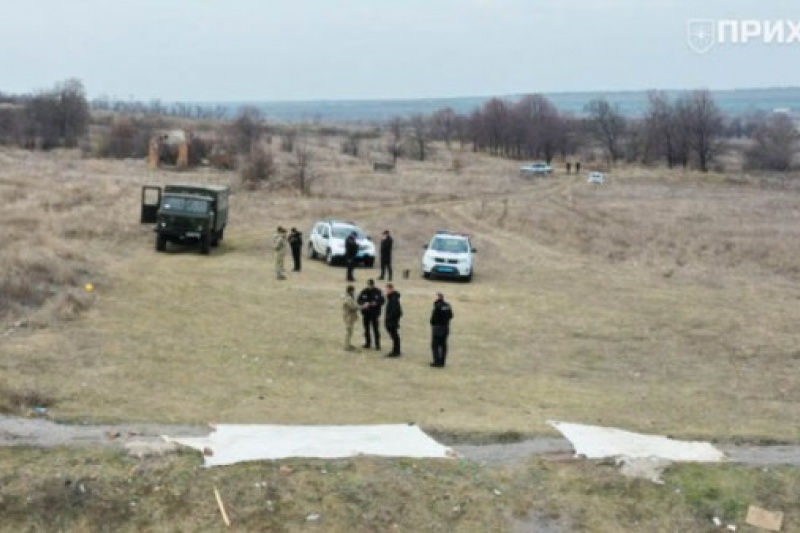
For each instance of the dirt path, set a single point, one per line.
(143, 439)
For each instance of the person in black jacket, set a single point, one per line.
(392, 319)
(386, 255)
(371, 301)
(440, 330)
(296, 244)
(350, 254)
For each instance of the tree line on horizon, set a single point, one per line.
(686, 131)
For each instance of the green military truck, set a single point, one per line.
(186, 214)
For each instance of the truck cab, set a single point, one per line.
(186, 214)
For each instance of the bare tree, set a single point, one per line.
(420, 136)
(462, 130)
(492, 127)
(703, 124)
(443, 125)
(608, 126)
(12, 122)
(247, 128)
(537, 128)
(775, 147)
(395, 143)
(303, 172)
(56, 117)
(73, 111)
(572, 135)
(661, 129)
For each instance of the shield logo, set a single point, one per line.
(701, 35)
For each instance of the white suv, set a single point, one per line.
(449, 255)
(327, 240)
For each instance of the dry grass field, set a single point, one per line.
(662, 302)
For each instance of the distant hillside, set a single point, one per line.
(632, 103)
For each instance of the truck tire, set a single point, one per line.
(205, 244)
(161, 243)
(312, 253)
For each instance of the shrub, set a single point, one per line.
(259, 167)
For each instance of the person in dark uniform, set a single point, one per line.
(371, 302)
(440, 330)
(296, 244)
(577, 167)
(386, 255)
(394, 312)
(350, 254)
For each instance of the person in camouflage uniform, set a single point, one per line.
(280, 246)
(350, 309)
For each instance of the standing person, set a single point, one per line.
(392, 319)
(440, 330)
(296, 244)
(350, 254)
(577, 167)
(386, 255)
(371, 301)
(280, 252)
(350, 314)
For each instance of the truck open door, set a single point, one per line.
(151, 200)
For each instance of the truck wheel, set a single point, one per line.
(312, 253)
(205, 244)
(161, 243)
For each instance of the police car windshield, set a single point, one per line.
(443, 244)
(342, 232)
(190, 205)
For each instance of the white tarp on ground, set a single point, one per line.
(235, 443)
(596, 442)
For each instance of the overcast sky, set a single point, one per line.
(234, 50)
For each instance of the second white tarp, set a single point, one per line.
(235, 443)
(597, 442)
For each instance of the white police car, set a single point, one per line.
(449, 255)
(327, 240)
